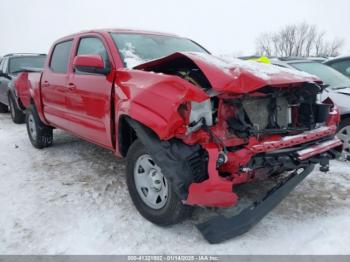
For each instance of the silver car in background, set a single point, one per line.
(341, 64)
(337, 88)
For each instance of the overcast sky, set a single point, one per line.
(223, 27)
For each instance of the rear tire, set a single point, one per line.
(40, 135)
(344, 135)
(3, 108)
(167, 209)
(18, 117)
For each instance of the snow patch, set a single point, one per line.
(72, 198)
(261, 70)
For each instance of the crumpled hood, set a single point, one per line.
(236, 75)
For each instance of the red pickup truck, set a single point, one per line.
(192, 126)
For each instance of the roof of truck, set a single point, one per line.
(121, 30)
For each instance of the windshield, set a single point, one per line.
(327, 74)
(136, 49)
(17, 64)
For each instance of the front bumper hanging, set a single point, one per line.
(221, 228)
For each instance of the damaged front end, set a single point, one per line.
(255, 121)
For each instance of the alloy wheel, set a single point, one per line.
(344, 136)
(32, 126)
(151, 184)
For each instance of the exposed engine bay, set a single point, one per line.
(277, 111)
(246, 131)
(245, 124)
(267, 111)
(234, 122)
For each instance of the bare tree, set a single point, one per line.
(264, 45)
(319, 43)
(310, 40)
(298, 40)
(335, 46)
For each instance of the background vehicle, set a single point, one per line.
(341, 64)
(319, 59)
(10, 66)
(192, 126)
(338, 89)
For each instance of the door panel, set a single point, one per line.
(88, 107)
(3, 82)
(3, 90)
(88, 97)
(54, 85)
(53, 88)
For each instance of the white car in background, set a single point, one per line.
(337, 88)
(341, 64)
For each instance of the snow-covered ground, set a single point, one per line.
(72, 199)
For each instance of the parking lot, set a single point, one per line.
(72, 198)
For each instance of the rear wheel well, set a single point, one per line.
(17, 100)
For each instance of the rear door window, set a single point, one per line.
(60, 57)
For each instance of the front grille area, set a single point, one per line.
(267, 112)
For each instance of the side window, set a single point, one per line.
(343, 67)
(93, 46)
(4, 63)
(60, 57)
(1, 64)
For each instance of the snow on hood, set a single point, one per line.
(261, 70)
(236, 75)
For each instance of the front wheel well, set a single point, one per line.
(345, 121)
(345, 116)
(126, 136)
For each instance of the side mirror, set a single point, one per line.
(2, 74)
(90, 64)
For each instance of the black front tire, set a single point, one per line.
(3, 108)
(40, 135)
(18, 117)
(172, 212)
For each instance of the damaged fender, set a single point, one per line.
(153, 100)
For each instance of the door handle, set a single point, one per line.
(71, 87)
(46, 84)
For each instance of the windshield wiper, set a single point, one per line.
(340, 87)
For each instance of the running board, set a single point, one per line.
(221, 228)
